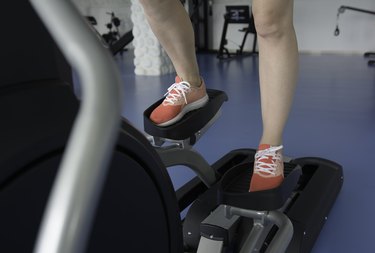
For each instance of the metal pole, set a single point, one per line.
(343, 8)
(75, 193)
(283, 236)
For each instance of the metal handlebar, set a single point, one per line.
(75, 193)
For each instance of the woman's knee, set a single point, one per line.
(153, 2)
(156, 4)
(156, 8)
(272, 23)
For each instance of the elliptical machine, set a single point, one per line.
(131, 206)
(224, 216)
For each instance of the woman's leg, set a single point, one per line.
(172, 26)
(278, 67)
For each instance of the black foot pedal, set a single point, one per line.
(234, 189)
(191, 123)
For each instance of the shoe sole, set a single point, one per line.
(189, 107)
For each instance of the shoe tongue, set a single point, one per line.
(173, 91)
(263, 146)
(267, 158)
(178, 79)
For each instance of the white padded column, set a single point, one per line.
(149, 57)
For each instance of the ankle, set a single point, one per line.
(193, 80)
(273, 142)
(263, 146)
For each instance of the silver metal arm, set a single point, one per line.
(73, 200)
(280, 241)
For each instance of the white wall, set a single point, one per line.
(315, 22)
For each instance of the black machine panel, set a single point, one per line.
(22, 202)
(310, 201)
(28, 52)
(138, 197)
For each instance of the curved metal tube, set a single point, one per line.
(279, 242)
(75, 193)
(284, 235)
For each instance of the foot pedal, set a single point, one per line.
(234, 189)
(191, 123)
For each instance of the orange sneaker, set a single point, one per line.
(268, 168)
(180, 99)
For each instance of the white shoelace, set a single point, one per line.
(269, 153)
(180, 88)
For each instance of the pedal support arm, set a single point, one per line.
(176, 155)
(281, 239)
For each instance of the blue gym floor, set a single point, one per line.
(333, 117)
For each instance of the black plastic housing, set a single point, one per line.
(191, 123)
(234, 189)
(318, 188)
(312, 198)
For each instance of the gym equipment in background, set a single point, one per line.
(237, 14)
(199, 12)
(113, 38)
(340, 11)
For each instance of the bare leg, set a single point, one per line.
(278, 64)
(172, 26)
(278, 67)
